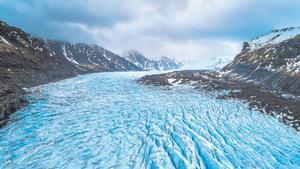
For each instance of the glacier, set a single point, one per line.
(107, 120)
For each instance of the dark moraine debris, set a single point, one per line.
(11, 99)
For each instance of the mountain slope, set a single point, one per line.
(274, 65)
(165, 63)
(140, 60)
(144, 63)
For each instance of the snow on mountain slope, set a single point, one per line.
(165, 63)
(138, 59)
(276, 36)
(4, 40)
(71, 59)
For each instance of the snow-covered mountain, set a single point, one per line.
(164, 63)
(140, 60)
(85, 56)
(272, 61)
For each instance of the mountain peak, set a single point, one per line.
(133, 54)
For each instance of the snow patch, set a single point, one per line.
(70, 59)
(171, 80)
(174, 82)
(105, 55)
(4, 40)
(92, 62)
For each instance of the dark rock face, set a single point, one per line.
(144, 63)
(246, 45)
(10, 100)
(27, 61)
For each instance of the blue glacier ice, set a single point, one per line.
(106, 120)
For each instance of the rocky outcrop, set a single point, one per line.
(164, 63)
(27, 61)
(11, 99)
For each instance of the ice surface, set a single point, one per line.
(108, 121)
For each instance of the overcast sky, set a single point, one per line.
(190, 30)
